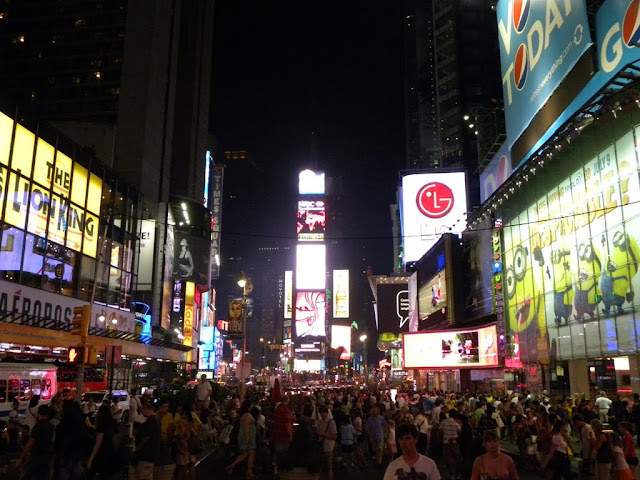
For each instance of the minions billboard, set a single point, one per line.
(571, 261)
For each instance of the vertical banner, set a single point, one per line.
(288, 294)
(341, 294)
(216, 218)
(187, 326)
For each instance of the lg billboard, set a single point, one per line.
(431, 204)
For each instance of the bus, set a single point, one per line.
(95, 377)
(23, 380)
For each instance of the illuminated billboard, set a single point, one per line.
(288, 294)
(540, 43)
(571, 257)
(341, 294)
(432, 295)
(311, 183)
(431, 204)
(62, 198)
(451, 348)
(311, 310)
(300, 365)
(310, 267)
(392, 300)
(496, 172)
(311, 220)
(341, 339)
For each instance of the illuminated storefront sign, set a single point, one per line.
(341, 339)
(341, 294)
(310, 267)
(216, 218)
(451, 349)
(431, 204)
(51, 196)
(188, 313)
(571, 259)
(307, 365)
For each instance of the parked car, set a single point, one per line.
(101, 395)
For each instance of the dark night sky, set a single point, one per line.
(285, 69)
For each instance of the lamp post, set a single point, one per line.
(242, 283)
(363, 339)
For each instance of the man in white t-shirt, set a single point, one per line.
(411, 465)
(327, 430)
(603, 404)
(203, 392)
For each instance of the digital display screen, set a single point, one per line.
(311, 267)
(341, 339)
(311, 312)
(311, 220)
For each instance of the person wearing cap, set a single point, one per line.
(412, 464)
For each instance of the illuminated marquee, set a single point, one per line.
(312, 220)
(187, 326)
(51, 196)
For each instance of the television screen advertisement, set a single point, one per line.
(311, 220)
(310, 314)
(341, 339)
(540, 42)
(472, 348)
(431, 204)
(341, 294)
(310, 267)
(393, 308)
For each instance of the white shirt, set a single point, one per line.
(327, 427)
(203, 391)
(424, 465)
(603, 403)
(422, 423)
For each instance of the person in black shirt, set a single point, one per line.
(71, 441)
(147, 443)
(103, 461)
(39, 449)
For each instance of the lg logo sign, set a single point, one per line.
(435, 200)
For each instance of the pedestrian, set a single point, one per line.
(167, 437)
(14, 414)
(327, 431)
(557, 462)
(71, 440)
(620, 468)
(102, 461)
(451, 429)
(348, 436)
(493, 464)
(37, 456)
(246, 440)
(588, 440)
(188, 432)
(604, 404)
(375, 426)
(31, 415)
(424, 429)
(602, 450)
(392, 449)
(281, 432)
(635, 416)
(411, 464)
(203, 392)
(147, 443)
(628, 445)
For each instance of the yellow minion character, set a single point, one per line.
(588, 293)
(562, 285)
(621, 267)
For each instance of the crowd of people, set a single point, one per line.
(407, 434)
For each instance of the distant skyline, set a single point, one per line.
(285, 69)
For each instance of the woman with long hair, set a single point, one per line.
(101, 461)
(246, 440)
(493, 465)
(620, 467)
(603, 452)
(558, 461)
(188, 428)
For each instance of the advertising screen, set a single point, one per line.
(341, 294)
(478, 265)
(192, 258)
(62, 197)
(207, 348)
(310, 267)
(300, 365)
(451, 349)
(393, 308)
(311, 312)
(311, 183)
(341, 338)
(571, 257)
(431, 204)
(288, 294)
(540, 43)
(312, 220)
(496, 172)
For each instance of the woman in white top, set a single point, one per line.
(558, 460)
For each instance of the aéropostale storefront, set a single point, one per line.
(571, 260)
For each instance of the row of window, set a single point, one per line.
(23, 390)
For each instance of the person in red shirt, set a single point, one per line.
(628, 445)
(282, 431)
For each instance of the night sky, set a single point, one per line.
(284, 69)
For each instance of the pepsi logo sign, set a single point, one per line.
(521, 68)
(631, 24)
(435, 200)
(625, 33)
(521, 10)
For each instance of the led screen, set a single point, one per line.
(310, 314)
(392, 300)
(288, 294)
(307, 365)
(431, 204)
(432, 296)
(341, 294)
(451, 349)
(341, 338)
(312, 220)
(311, 183)
(310, 267)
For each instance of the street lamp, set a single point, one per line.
(363, 339)
(242, 283)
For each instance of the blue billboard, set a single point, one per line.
(540, 42)
(496, 172)
(618, 34)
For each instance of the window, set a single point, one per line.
(3, 391)
(45, 389)
(25, 390)
(14, 389)
(35, 386)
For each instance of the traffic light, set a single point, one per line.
(92, 356)
(75, 355)
(80, 321)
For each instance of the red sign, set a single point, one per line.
(223, 325)
(434, 200)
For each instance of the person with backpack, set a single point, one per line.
(602, 451)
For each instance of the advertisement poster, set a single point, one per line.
(311, 221)
(192, 258)
(479, 271)
(341, 339)
(392, 308)
(311, 312)
(341, 294)
(572, 257)
(451, 349)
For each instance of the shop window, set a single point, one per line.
(13, 390)
(25, 390)
(12, 243)
(45, 388)
(35, 387)
(3, 391)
